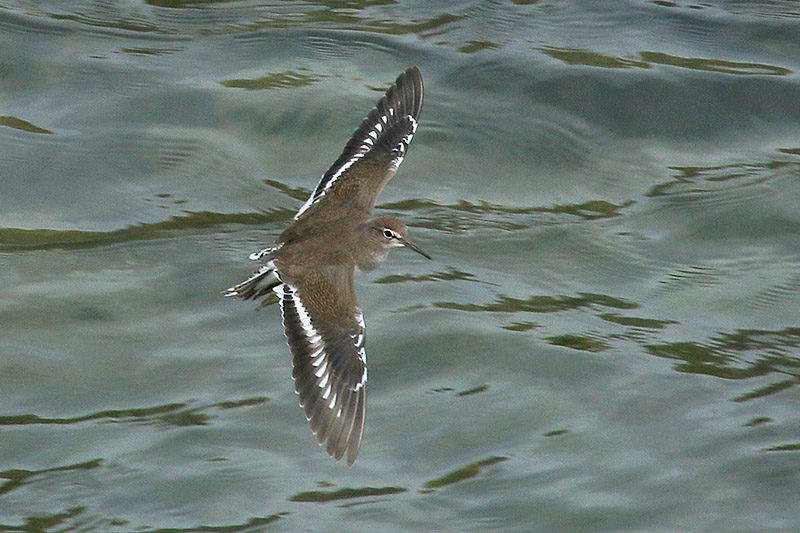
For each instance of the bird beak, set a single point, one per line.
(408, 243)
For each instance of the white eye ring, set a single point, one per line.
(389, 234)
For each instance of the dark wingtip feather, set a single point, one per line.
(409, 85)
(354, 443)
(402, 99)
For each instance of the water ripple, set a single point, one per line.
(743, 354)
(277, 80)
(319, 496)
(15, 239)
(469, 471)
(461, 217)
(729, 179)
(587, 342)
(17, 478)
(450, 275)
(646, 60)
(541, 304)
(22, 125)
(714, 65)
(174, 414)
(226, 17)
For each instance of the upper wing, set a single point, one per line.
(375, 149)
(325, 330)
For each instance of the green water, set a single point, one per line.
(608, 338)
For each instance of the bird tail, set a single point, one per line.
(261, 283)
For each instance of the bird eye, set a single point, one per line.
(388, 233)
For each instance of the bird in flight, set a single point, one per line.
(309, 270)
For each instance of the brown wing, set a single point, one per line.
(325, 331)
(375, 149)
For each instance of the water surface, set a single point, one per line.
(607, 340)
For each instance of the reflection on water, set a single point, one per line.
(470, 471)
(743, 354)
(648, 60)
(23, 125)
(17, 478)
(319, 496)
(179, 414)
(450, 275)
(541, 304)
(693, 180)
(482, 215)
(586, 343)
(278, 80)
(15, 239)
